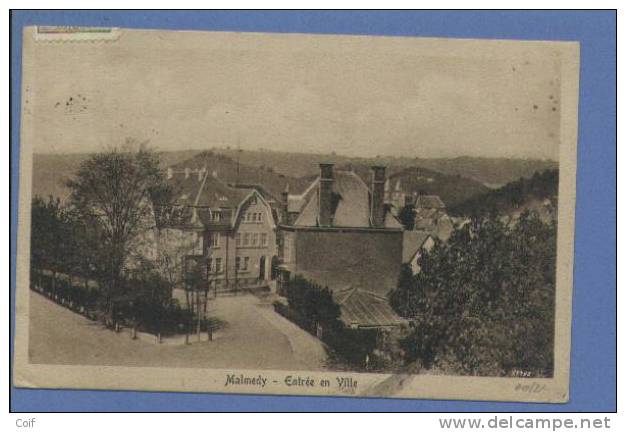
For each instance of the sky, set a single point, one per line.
(358, 96)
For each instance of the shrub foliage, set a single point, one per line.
(483, 303)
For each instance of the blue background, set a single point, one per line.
(593, 365)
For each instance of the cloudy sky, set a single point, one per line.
(353, 95)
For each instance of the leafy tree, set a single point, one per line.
(511, 196)
(112, 194)
(314, 303)
(483, 303)
(407, 295)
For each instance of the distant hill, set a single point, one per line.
(50, 171)
(452, 189)
(493, 172)
(457, 179)
(539, 193)
(227, 169)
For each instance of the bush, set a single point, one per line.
(311, 305)
(145, 303)
(313, 302)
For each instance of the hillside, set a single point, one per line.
(457, 179)
(539, 193)
(50, 171)
(229, 171)
(494, 172)
(452, 189)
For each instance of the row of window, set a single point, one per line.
(242, 239)
(252, 217)
(251, 239)
(214, 265)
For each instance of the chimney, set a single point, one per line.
(377, 212)
(170, 173)
(186, 173)
(284, 200)
(327, 178)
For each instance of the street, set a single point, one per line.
(254, 337)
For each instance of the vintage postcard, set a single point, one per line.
(296, 214)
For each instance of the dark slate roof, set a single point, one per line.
(216, 194)
(200, 193)
(429, 201)
(365, 309)
(184, 189)
(352, 208)
(412, 241)
(208, 192)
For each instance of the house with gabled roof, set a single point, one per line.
(339, 233)
(227, 231)
(431, 217)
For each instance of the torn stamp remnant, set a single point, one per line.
(76, 34)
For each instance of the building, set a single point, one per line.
(431, 217)
(339, 233)
(413, 246)
(225, 232)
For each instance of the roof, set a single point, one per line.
(202, 193)
(429, 201)
(412, 242)
(216, 194)
(366, 309)
(351, 207)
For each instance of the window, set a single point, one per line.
(246, 239)
(214, 239)
(260, 217)
(238, 237)
(263, 239)
(255, 239)
(197, 249)
(216, 216)
(209, 265)
(218, 265)
(241, 264)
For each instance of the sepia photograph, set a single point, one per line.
(296, 214)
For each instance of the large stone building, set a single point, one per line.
(225, 232)
(339, 233)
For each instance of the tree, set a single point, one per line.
(483, 303)
(46, 235)
(407, 216)
(112, 193)
(405, 297)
